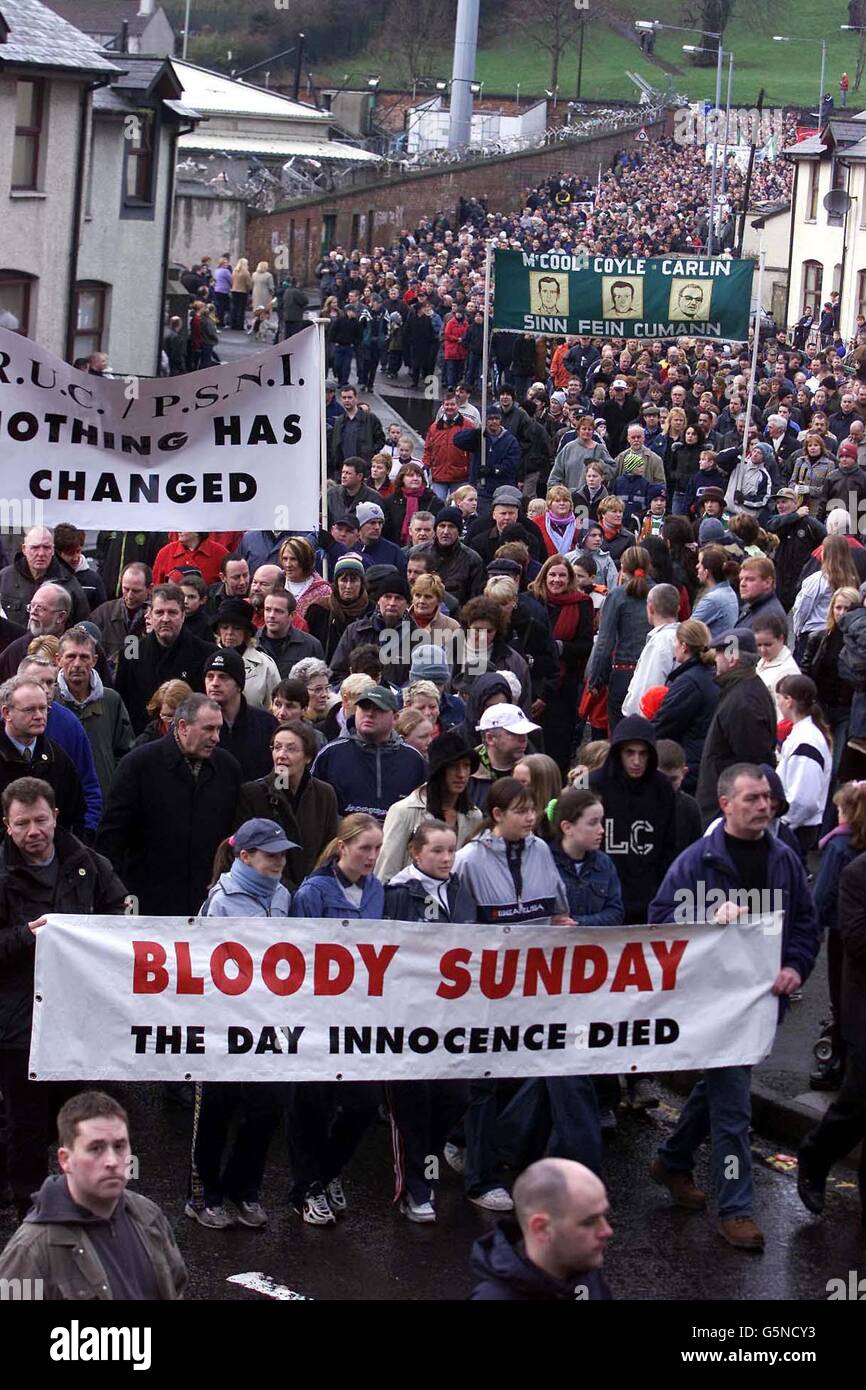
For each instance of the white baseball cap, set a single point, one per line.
(508, 717)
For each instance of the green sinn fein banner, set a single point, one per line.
(622, 296)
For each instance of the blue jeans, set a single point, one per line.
(444, 490)
(472, 371)
(343, 364)
(453, 371)
(719, 1107)
(554, 1115)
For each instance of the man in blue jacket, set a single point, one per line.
(374, 767)
(502, 458)
(553, 1248)
(739, 854)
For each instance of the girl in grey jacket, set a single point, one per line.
(511, 876)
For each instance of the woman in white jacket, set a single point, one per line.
(813, 601)
(444, 796)
(805, 763)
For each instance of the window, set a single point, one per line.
(812, 203)
(139, 168)
(329, 231)
(90, 302)
(369, 231)
(15, 288)
(813, 274)
(861, 292)
(355, 236)
(29, 104)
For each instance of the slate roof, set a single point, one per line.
(102, 16)
(40, 38)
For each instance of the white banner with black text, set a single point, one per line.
(233, 447)
(265, 999)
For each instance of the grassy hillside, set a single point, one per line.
(789, 72)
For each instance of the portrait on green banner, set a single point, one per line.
(690, 299)
(622, 296)
(548, 294)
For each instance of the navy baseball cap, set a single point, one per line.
(259, 833)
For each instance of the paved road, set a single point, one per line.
(658, 1251)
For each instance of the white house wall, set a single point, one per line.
(36, 228)
(126, 253)
(207, 226)
(813, 241)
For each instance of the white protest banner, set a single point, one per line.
(233, 447)
(256, 999)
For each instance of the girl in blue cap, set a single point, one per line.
(226, 1178)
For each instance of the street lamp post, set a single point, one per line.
(186, 29)
(696, 48)
(783, 38)
(727, 122)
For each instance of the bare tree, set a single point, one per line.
(552, 24)
(412, 28)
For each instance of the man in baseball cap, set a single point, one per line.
(503, 730)
(246, 730)
(372, 768)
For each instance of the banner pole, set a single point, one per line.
(736, 476)
(485, 350)
(321, 325)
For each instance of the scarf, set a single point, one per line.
(561, 533)
(259, 886)
(347, 612)
(565, 624)
(411, 509)
(608, 529)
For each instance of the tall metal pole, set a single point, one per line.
(485, 347)
(463, 73)
(727, 122)
(580, 59)
(714, 176)
(321, 325)
(821, 87)
(186, 30)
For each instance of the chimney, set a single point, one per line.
(146, 7)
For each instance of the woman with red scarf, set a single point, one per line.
(570, 612)
(558, 524)
(412, 495)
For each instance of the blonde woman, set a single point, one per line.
(263, 287)
(298, 563)
(242, 283)
(813, 599)
(428, 594)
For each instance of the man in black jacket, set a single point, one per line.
(246, 731)
(357, 432)
(458, 566)
(279, 639)
(25, 750)
(168, 652)
(43, 869)
(170, 805)
(743, 728)
(799, 534)
(554, 1250)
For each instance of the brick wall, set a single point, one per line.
(374, 215)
